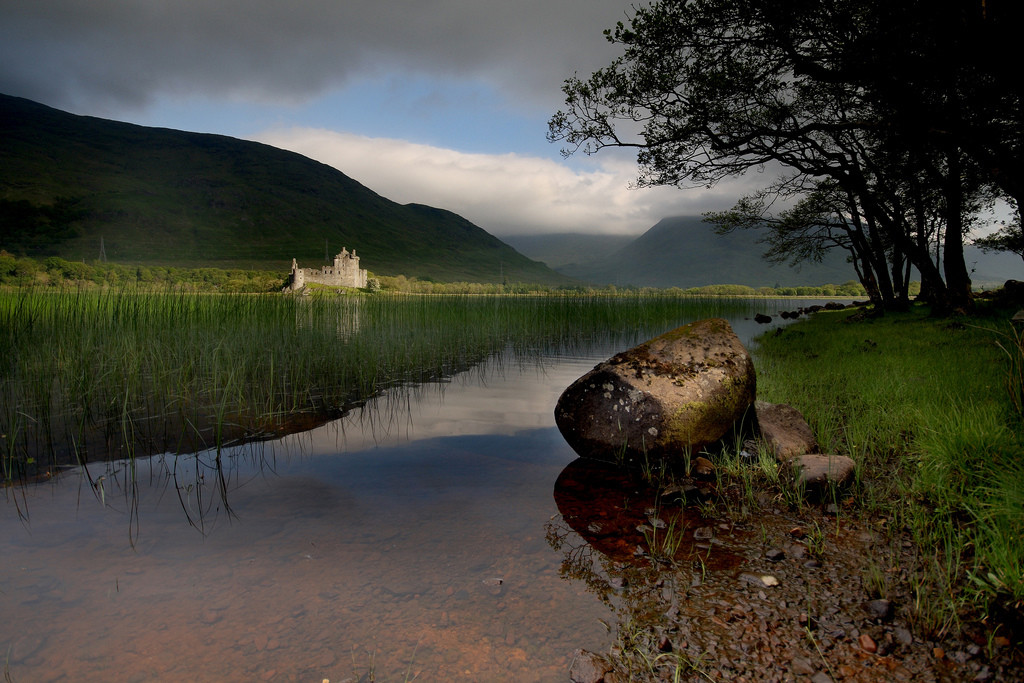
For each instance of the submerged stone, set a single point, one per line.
(677, 393)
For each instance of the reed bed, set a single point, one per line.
(90, 375)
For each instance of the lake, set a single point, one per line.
(407, 540)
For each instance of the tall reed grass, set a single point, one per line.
(113, 374)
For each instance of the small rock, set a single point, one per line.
(801, 667)
(586, 667)
(775, 555)
(703, 467)
(704, 533)
(494, 581)
(821, 677)
(807, 621)
(867, 643)
(760, 580)
(762, 319)
(879, 609)
(815, 473)
(784, 430)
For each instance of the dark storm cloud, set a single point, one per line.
(97, 53)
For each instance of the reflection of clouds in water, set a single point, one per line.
(494, 399)
(503, 395)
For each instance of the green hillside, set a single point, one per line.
(168, 197)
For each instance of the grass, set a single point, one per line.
(930, 411)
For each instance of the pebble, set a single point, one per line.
(703, 467)
(867, 643)
(764, 580)
(586, 668)
(802, 667)
(775, 555)
(879, 609)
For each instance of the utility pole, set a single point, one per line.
(103, 251)
(327, 253)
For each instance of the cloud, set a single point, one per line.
(88, 53)
(504, 193)
(456, 74)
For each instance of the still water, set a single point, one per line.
(405, 541)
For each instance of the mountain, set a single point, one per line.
(567, 249)
(683, 251)
(69, 184)
(990, 270)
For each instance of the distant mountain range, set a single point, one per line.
(69, 184)
(152, 195)
(684, 251)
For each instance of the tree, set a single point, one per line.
(708, 89)
(1009, 238)
(825, 218)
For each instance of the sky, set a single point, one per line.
(438, 102)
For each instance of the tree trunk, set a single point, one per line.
(958, 280)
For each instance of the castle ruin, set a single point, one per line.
(345, 272)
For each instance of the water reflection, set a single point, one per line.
(633, 523)
(404, 540)
(410, 539)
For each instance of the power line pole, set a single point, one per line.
(103, 251)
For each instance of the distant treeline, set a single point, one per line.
(57, 272)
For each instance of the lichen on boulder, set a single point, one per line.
(674, 394)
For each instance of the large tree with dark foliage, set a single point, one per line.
(903, 106)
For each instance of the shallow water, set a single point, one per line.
(405, 541)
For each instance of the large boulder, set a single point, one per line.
(679, 392)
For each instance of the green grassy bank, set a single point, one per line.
(930, 409)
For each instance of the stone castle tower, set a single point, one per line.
(344, 272)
